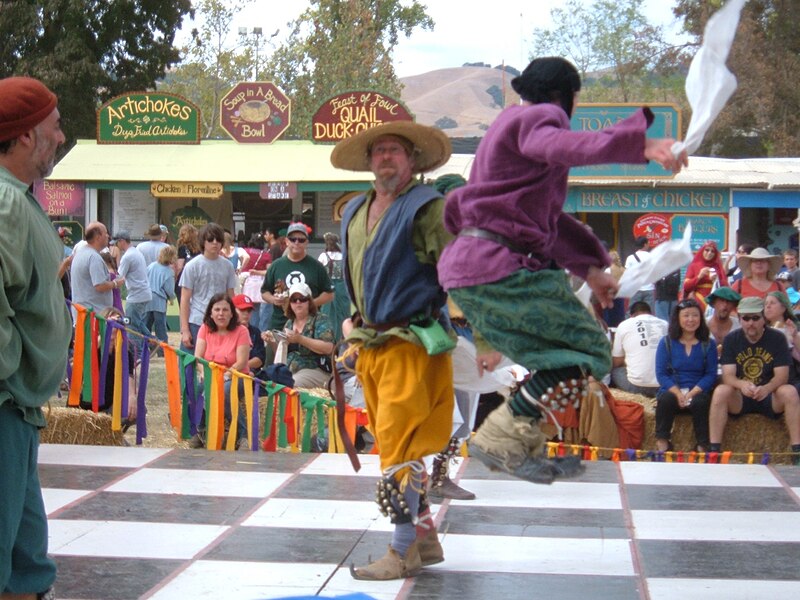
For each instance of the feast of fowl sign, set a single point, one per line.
(255, 112)
(148, 118)
(344, 115)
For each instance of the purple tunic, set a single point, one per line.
(517, 189)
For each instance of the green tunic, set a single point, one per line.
(35, 325)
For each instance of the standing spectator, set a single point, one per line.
(113, 274)
(646, 293)
(788, 273)
(667, 290)
(273, 244)
(732, 268)
(615, 314)
(338, 310)
(755, 376)
(633, 354)
(34, 331)
(203, 277)
(723, 300)
(295, 267)
(758, 269)
(234, 253)
(704, 274)
(257, 265)
(153, 246)
(133, 270)
(161, 278)
(91, 283)
(188, 248)
(686, 367)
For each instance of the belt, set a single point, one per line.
(381, 327)
(494, 237)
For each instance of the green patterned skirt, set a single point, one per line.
(535, 319)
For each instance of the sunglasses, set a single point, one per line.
(298, 240)
(751, 317)
(687, 304)
(299, 300)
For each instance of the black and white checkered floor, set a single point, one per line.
(157, 523)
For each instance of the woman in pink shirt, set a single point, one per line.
(222, 340)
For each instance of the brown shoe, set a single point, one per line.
(391, 566)
(430, 550)
(447, 488)
(516, 445)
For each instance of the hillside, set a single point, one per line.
(462, 101)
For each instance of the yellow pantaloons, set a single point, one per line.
(409, 398)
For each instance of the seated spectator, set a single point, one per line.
(161, 278)
(686, 367)
(703, 274)
(779, 315)
(310, 339)
(634, 351)
(758, 269)
(222, 340)
(755, 374)
(244, 310)
(723, 300)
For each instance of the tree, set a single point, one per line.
(88, 51)
(336, 46)
(619, 54)
(212, 64)
(763, 116)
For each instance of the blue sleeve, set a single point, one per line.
(258, 350)
(665, 379)
(709, 378)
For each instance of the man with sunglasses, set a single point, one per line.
(295, 267)
(755, 376)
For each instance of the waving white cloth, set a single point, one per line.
(709, 83)
(664, 259)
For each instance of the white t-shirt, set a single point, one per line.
(636, 340)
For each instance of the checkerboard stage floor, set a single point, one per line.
(158, 523)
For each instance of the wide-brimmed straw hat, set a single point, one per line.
(431, 146)
(775, 261)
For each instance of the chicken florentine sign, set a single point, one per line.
(148, 118)
(346, 114)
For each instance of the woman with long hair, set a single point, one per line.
(779, 314)
(686, 369)
(759, 269)
(188, 247)
(704, 273)
(223, 340)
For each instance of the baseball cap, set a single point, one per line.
(750, 305)
(242, 302)
(122, 235)
(297, 228)
(300, 288)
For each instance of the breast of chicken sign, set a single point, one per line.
(255, 112)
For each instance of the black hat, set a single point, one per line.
(549, 79)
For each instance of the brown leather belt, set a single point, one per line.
(492, 236)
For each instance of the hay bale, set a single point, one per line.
(67, 425)
(749, 433)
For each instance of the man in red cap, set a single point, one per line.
(34, 330)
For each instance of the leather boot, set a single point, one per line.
(390, 566)
(430, 550)
(515, 444)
